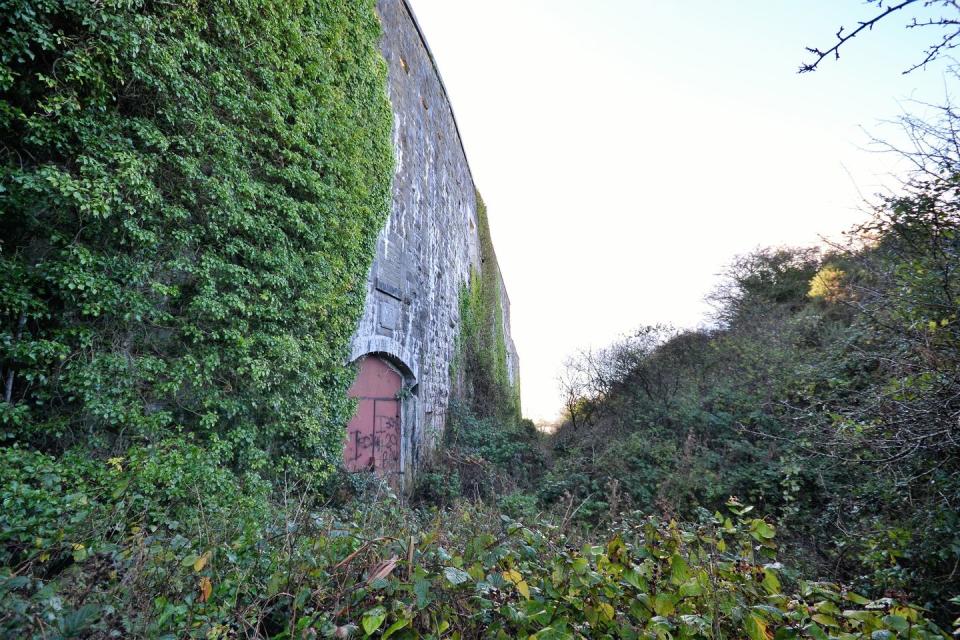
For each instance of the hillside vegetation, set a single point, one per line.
(826, 392)
(190, 195)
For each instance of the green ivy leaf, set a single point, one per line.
(455, 576)
(421, 588)
(691, 588)
(396, 626)
(664, 604)
(372, 619)
(762, 529)
(825, 620)
(897, 623)
(771, 582)
(816, 632)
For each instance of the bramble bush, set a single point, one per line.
(827, 393)
(115, 548)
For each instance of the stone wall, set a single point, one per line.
(430, 244)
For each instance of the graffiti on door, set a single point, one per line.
(373, 435)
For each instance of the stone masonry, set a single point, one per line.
(430, 243)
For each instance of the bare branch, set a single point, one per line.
(843, 39)
(948, 41)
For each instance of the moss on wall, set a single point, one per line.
(481, 367)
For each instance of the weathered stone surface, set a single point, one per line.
(430, 243)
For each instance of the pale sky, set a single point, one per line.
(628, 149)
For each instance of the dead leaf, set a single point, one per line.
(202, 561)
(524, 589)
(206, 588)
(381, 570)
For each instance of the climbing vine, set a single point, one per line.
(189, 199)
(482, 360)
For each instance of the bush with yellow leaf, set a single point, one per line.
(201, 555)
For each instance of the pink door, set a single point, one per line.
(373, 435)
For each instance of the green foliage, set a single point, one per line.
(518, 505)
(481, 458)
(438, 484)
(487, 445)
(189, 197)
(765, 277)
(82, 538)
(825, 396)
(504, 445)
(886, 399)
(481, 366)
(200, 553)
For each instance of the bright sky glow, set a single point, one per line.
(628, 149)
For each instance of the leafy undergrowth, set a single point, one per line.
(165, 543)
(482, 458)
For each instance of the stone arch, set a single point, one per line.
(392, 350)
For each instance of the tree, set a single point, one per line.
(771, 276)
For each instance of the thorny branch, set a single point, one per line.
(947, 42)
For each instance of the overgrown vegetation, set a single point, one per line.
(827, 393)
(481, 369)
(140, 547)
(489, 452)
(483, 458)
(189, 197)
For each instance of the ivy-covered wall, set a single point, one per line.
(485, 367)
(196, 202)
(190, 195)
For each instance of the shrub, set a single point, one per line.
(300, 571)
(519, 506)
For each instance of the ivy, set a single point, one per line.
(481, 362)
(189, 199)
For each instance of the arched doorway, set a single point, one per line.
(373, 435)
